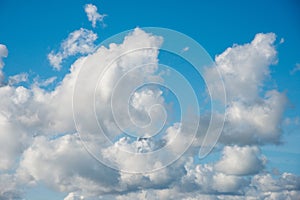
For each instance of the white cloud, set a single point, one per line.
(93, 15)
(44, 83)
(19, 78)
(254, 114)
(3, 54)
(38, 139)
(259, 122)
(240, 161)
(79, 42)
(295, 69)
(245, 66)
(209, 181)
(268, 183)
(13, 136)
(73, 196)
(63, 164)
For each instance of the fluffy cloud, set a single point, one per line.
(245, 66)
(206, 179)
(39, 142)
(78, 42)
(254, 114)
(64, 164)
(14, 135)
(240, 160)
(93, 15)
(255, 123)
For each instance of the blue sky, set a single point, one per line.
(34, 29)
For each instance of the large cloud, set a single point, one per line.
(245, 66)
(37, 128)
(254, 114)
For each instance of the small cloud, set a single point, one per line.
(55, 60)
(185, 49)
(93, 15)
(281, 41)
(19, 78)
(3, 54)
(291, 121)
(78, 42)
(45, 83)
(295, 69)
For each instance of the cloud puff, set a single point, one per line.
(246, 66)
(79, 42)
(93, 15)
(63, 163)
(240, 160)
(259, 122)
(254, 114)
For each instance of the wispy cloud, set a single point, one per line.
(295, 69)
(185, 49)
(78, 42)
(93, 15)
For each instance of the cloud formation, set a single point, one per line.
(93, 15)
(39, 142)
(254, 114)
(79, 42)
(230, 163)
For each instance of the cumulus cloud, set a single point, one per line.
(63, 164)
(246, 66)
(39, 141)
(93, 15)
(240, 160)
(259, 122)
(13, 135)
(79, 42)
(254, 114)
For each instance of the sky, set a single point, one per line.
(149, 99)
